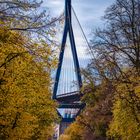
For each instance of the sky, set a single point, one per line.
(89, 12)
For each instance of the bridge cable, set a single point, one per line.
(83, 32)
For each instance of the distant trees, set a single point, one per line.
(26, 60)
(115, 71)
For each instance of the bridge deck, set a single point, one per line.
(73, 105)
(69, 97)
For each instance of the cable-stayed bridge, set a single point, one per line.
(75, 54)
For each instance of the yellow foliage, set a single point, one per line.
(27, 110)
(73, 132)
(126, 115)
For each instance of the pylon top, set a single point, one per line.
(68, 10)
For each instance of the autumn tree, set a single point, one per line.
(26, 60)
(118, 60)
(126, 110)
(74, 132)
(27, 111)
(112, 99)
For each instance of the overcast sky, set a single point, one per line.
(89, 12)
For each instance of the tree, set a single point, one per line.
(27, 111)
(117, 50)
(126, 111)
(26, 60)
(28, 16)
(74, 132)
(120, 41)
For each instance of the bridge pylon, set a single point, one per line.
(69, 102)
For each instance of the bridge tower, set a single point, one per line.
(69, 102)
